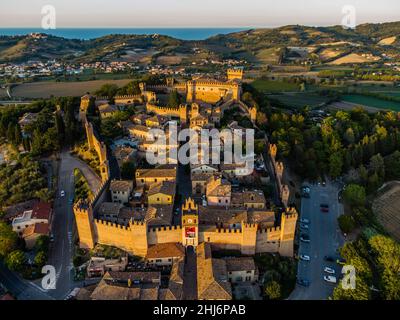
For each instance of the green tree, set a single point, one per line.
(40, 259)
(8, 239)
(128, 170)
(42, 243)
(173, 99)
(346, 223)
(355, 195)
(335, 165)
(272, 290)
(392, 166)
(17, 135)
(107, 90)
(60, 126)
(16, 260)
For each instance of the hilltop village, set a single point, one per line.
(149, 215)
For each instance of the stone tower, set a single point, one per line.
(83, 213)
(235, 73)
(288, 229)
(190, 223)
(183, 113)
(190, 91)
(249, 238)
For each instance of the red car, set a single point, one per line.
(324, 210)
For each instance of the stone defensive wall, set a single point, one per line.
(137, 236)
(99, 146)
(279, 168)
(179, 112)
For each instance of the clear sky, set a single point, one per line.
(194, 13)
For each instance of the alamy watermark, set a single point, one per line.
(48, 17)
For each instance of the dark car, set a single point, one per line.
(305, 238)
(303, 282)
(341, 261)
(329, 258)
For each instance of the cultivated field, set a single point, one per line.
(353, 58)
(371, 102)
(386, 207)
(270, 86)
(300, 100)
(387, 41)
(36, 90)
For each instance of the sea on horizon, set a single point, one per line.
(92, 33)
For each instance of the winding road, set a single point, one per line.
(61, 250)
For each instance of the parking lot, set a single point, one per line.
(319, 227)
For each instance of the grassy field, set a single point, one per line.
(371, 102)
(300, 100)
(46, 89)
(270, 86)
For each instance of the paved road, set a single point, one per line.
(325, 237)
(61, 250)
(190, 275)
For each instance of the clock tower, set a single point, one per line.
(190, 224)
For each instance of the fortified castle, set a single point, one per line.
(136, 236)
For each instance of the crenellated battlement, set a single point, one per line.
(165, 228)
(269, 230)
(228, 230)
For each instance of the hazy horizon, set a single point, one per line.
(194, 14)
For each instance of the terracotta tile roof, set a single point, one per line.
(159, 215)
(165, 187)
(41, 210)
(263, 217)
(110, 208)
(201, 176)
(37, 228)
(139, 127)
(240, 264)
(212, 278)
(121, 185)
(165, 250)
(175, 285)
(156, 173)
(107, 108)
(217, 215)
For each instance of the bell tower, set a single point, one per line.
(190, 223)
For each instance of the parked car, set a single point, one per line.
(305, 257)
(303, 282)
(303, 220)
(62, 193)
(305, 238)
(330, 279)
(329, 270)
(304, 226)
(324, 210)
(341, 261)
(329, 259)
